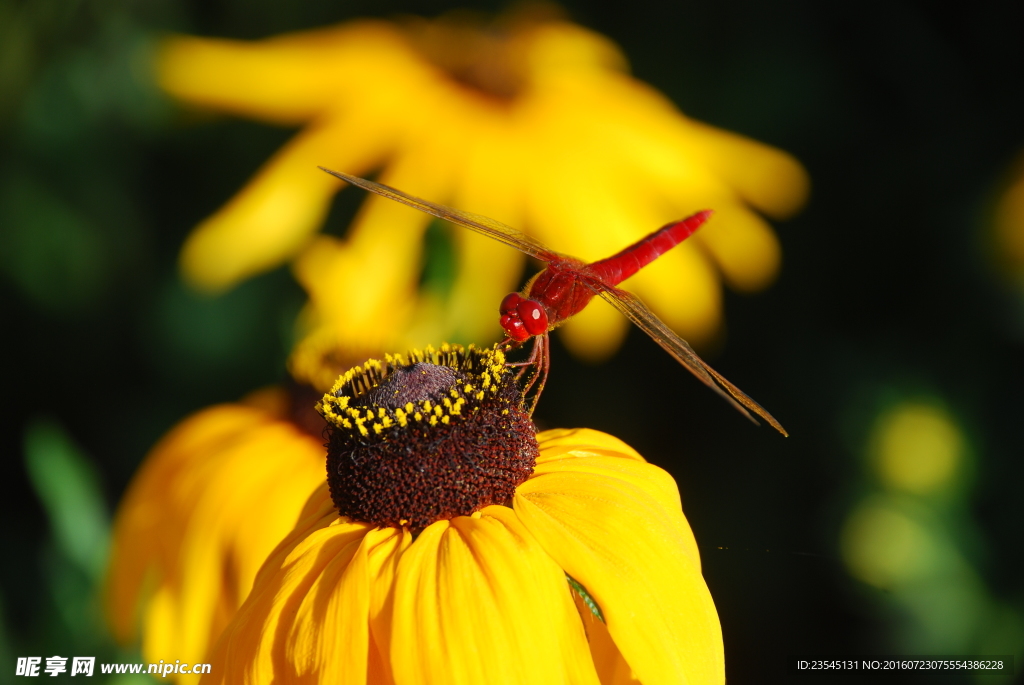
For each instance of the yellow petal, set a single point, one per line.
(766, 177)
(583, 450)
(574, 203)
(771, 180)
(647, 152)
(286, 79)
(365, 282)
(364, 293)
(1009, 224)
(142, 533)
(585, 201)
(275, 214)
(489, 183)
(189, 525)
(559, 47)
(363, 290)
(596, 333)
(308, 615)
(608, 660)
(243, 77)
(270, 637)
(636, 558)
(560, 443)
(359, 305)
(478, 601)
(383, 568)
(744, 247)
(640, 143)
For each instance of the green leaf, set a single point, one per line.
(67, 484)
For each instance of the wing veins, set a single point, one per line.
(475, 222)
(637, 312)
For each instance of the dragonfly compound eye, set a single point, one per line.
(509, 304)
(533, 316)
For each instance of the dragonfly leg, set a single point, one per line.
(540, 363)
(533, 371)
(524, 365)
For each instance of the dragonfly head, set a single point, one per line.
(522, 318)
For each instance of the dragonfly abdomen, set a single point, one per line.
(624, 264)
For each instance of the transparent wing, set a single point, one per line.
(637, 312)
(475, 222)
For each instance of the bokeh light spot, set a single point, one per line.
(918, 448)
(885, 547)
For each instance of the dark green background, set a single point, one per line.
(907, 117)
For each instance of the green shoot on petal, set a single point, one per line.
(585, 596)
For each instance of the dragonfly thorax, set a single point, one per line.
(522, 318)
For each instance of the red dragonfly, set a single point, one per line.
(567, 284)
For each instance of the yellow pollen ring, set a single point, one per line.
(485, 369)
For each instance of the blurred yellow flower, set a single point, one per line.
(210, 502)
(361, 302)
(533, 121)
(911, 537)
(892, 543)
(485, 598)
(1009, 222)
(918, 448)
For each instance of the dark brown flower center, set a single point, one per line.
(485, 55)
(426, 437)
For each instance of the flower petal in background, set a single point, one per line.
(210, 502)
(533, 120)
(1009, 223)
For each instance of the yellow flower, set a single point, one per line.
(485, 598)
(533, 121)
(451, 544)
(360, 303)
(210, 502)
